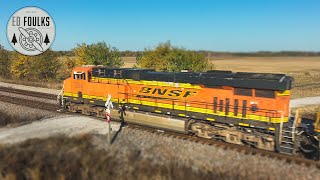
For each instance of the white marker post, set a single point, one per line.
(109, 105)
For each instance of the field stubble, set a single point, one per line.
(304, 70)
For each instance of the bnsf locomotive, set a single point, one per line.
(241, 108)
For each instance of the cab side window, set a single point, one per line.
(79, 76)
(265, 93)
(243, 91)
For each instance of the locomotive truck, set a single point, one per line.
(236, 107)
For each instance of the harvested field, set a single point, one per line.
(308, 111)
(269, 64)
(138, 155)
(305, 70)
(129, 62)
(306, 84)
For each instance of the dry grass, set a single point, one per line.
(307, 111)
(138, 155)
(50, 85)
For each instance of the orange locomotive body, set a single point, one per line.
(197, 101)
(241, 108)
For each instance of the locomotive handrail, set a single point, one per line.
(263, 114)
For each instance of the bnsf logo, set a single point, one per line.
(167, 92)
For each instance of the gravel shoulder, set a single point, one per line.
(30, 88)
(15, 115)
(304, 101)
(68, 125)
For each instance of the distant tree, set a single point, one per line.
(5, 62)
(156, 58)
(45, 66)
(168, 58)
(20, 66)
(80, 53)
(128, 53)
(67, 64)
(98, 54)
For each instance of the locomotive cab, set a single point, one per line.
(77, 82)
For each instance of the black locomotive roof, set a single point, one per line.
(268, 81)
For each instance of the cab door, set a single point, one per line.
(78, 83)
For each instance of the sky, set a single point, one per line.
(217, 25)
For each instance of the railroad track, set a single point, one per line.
(28, 93)
(239, 148)
(27, 102)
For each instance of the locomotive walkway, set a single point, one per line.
(293, 103)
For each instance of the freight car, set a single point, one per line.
(242, 108)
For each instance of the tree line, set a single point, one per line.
(55, 66)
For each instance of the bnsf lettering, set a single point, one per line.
(175, 93)
(159, 91)
(167, 92)
(145, 90)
